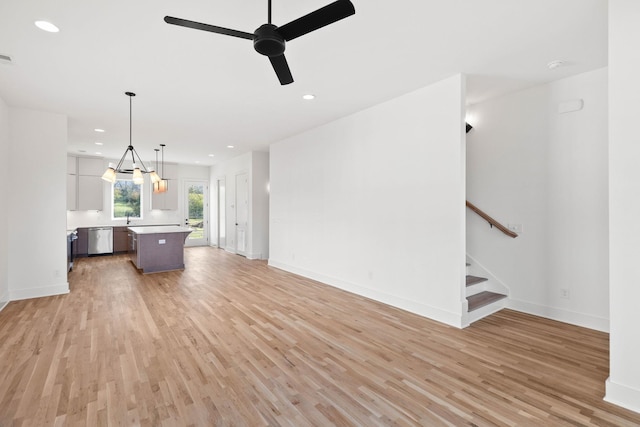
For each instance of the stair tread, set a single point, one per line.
(483, 298)
(472, 280)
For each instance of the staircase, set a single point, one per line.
(484, 297)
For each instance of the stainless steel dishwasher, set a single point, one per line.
(100, 240)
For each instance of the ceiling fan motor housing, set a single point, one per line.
(267, 41)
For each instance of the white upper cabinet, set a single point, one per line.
(91, 166)
(85, 187)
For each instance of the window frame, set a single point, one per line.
(113, 186)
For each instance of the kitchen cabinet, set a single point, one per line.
(72, 165)
(82, 243)
(120, 239)
(72, 192)
(159, 248)
(85, 187)
(90, 193)
(72, 183)
(168, 200)
(91, 166)
(90, 183)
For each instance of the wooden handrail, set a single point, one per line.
(491, 221)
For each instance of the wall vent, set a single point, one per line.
(5, 59)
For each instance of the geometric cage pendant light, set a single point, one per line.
(138, 168)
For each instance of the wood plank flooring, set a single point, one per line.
(233, 342)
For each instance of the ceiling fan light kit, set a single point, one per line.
(270, 40)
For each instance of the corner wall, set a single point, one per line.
(623, 385)
(529, 164)
(4, 209)
(260, 204)
(256, 166)
(373, 203)
(37, 204)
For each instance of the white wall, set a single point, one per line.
(256, 166)
(623, 385)
(37, 204)
(260, 204)
(373, 203)
(4, 209)
(527, 164)
(150, 216)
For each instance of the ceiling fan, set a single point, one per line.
(269, 39)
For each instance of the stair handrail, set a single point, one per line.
(491, 221)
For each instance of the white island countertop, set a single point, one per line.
(161, 229)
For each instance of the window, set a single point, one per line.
(126, 199)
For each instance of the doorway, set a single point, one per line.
(222, 214)
(242, 213)
(196, 205)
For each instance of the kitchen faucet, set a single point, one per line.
(128, 220)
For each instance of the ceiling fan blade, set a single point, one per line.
(329, 14)
(281, 68)
(207, 27)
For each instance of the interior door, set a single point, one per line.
(196, 208)
(242, 213)
(222, 214)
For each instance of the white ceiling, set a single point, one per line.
(198, 92)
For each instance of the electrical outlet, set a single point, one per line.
(564, 293)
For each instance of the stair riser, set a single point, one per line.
(476, 289)
(485, 311)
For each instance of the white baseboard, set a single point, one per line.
(433, 313)
(566, 316)
(3, 304)
(45, 291)
(622, 395)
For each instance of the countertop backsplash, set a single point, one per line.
(76, 219)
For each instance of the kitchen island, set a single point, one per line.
(155, 249)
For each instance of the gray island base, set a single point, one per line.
(156, 249)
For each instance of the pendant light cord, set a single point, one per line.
(131, 95)
(130, 119)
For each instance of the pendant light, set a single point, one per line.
(161, 185)
(138, 168)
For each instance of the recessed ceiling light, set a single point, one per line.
(308, 97)
(98, 153)
(99, 130)
(197, 161)
(99, 143)
(82, 151)
(47, 26)
(229, 146)
(211, 155)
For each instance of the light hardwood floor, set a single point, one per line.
(232, 342)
